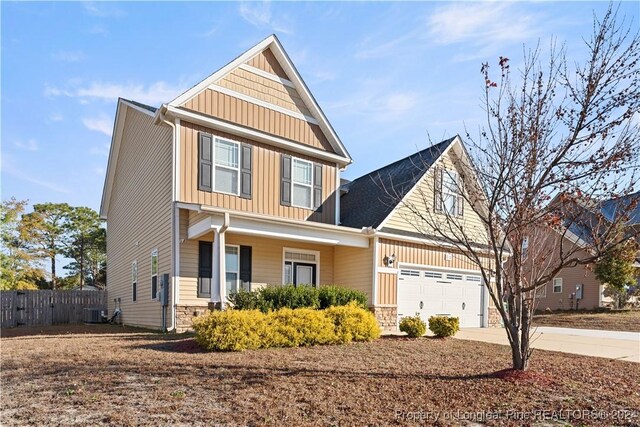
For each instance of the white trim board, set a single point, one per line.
(254, 134)
(261, 103)
(302, 251)
(267, 75)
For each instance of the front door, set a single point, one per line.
(304, 274)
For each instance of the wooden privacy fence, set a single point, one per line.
(48, 307)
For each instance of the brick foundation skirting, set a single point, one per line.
(495, 321)
(185, 315)
(387, 317)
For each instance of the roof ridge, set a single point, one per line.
(418, 153)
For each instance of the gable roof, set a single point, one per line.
(611, 207)
(114, 148)
(365, 203)
(272, 43)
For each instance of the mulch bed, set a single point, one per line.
(622, 320)
(133, 377)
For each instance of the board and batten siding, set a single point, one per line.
(354, 269)
(403, 219)
(267, 261)
(139, 217)
(415, 253)
(239, 111)
(265, 180)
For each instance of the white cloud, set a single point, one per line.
(99, 171)
(480, 23)
(9, 167)
(154, 93)
(68, 56)
(100, 30)
(55, 117)
(375, 103)
(102, 9)
(29, 145)
(259, 15)
(103, 124)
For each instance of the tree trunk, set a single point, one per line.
(53, 272)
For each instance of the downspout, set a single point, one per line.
(161, 118)
(222, 267)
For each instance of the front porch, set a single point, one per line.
(222, 253)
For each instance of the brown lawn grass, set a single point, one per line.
(623, 320)
(133, 377)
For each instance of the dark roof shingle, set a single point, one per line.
(141, 105)
(372, 197)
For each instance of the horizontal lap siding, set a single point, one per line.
(267, 263)
(354, 268)
(265, 179)
(422, 199)
(226, 107)
(139, 217)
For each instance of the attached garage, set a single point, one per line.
(430, 292)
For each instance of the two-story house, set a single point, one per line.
(236, 184)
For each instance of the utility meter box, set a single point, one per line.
(164, 289)
(579, 291)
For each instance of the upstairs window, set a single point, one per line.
(227, 167)
(224, 166)
(302, 189)
(448, 192)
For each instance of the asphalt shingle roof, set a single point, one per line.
(141, 105)
(611, 207)
(371, 198)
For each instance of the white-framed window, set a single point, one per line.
(433, 275)
(557, 285)
(541, 292)
(301, 183)
(134, 281)
(450, 191)
(232, 268)
(300, 267)
(226, 166)
(154, 274)
(474, 279)
(454, 276)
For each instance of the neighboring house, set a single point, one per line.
(235, 184)
(564, 290)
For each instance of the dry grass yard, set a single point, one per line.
(106, 375)
(623, 320)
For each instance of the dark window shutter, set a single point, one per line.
(285, 180)
(245, 264)
(460, 201)
(205, 161)
(205, 268)
(437, 190)
(317, 187)
(245, 171)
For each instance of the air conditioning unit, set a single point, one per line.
(92, 315)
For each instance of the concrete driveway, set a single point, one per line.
(588, 342)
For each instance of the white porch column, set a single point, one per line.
(218, 284)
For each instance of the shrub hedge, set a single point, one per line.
(237, 330)
(414, 326)
(289, 296)
(443, 326)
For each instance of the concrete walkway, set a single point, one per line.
(588, 342)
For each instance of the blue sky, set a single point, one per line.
(384, 73)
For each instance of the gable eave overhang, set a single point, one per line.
(456, 141)
(287, 65)
(116, 137)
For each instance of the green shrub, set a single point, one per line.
(443, 326)
(414, 326)
(332, 295)
(301, 296)
(245, 300)
(353, 323)
(289, 296)
(230, 330)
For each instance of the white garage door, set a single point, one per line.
(440, 293)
